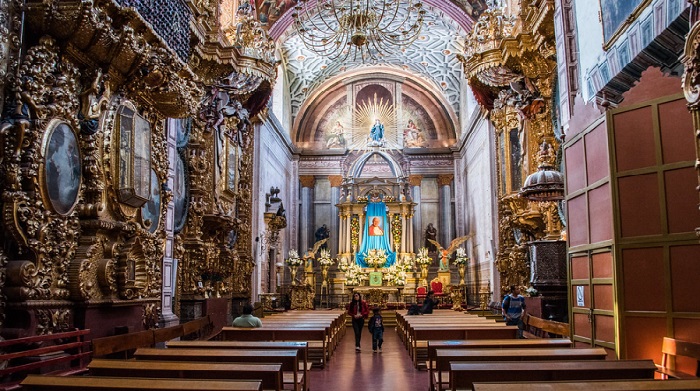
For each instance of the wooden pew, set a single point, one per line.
(59, 353)
(301, 347)
(443, 358)
(269, 374)
(316, 337)
(433, 346)
(90, 383)
(421, 336)
(464, 374)
(288, 358)
(122, 345)
(599, 385)
(543, 328)
(673, 348)
(200, 329)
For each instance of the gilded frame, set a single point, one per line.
(231, 172)
(623, 24)
(153, 208)
(52, 165)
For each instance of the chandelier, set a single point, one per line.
(365, 29)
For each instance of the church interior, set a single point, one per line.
(166, 163)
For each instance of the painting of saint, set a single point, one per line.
(269, 11)
(614, 13)
(376, 228)
(150, 211)
(62, 168)
(413, 137)
(336, 137)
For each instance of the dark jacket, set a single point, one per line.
(352, 310)
(372, 321)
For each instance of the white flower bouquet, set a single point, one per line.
(325, 259)
(423, 258)
(293, 259)
(376, 258)
(343, 265)
(461, 258)
(354, 275)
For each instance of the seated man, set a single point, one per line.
(429, 303)
(247, 319)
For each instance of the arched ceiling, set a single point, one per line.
(432, 56)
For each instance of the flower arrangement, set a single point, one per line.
(405, 265)
(343, 264)
(355, 231)
(354, 275)
(293, 259)
(396, 229)
(395, 275)
(376, 258)
(325, 259)
(461, 258)
(423, 258)
(531, 291)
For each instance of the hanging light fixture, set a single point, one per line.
(357, 29)
(545, 184)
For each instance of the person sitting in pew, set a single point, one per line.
(247, 319)
(429, 303)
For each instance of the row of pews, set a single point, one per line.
(277, 356)
(468, 352)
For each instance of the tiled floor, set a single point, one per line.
(390, 370)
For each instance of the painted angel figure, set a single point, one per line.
(311, 255)
(445, 253)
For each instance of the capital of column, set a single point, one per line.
(307, 180)
(336, 180)
(445, 179)
(415, 180)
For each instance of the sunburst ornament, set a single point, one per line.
(365, 115)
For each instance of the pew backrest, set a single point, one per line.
(543, 328)
(675, 348)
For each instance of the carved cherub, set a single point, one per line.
(445, 253)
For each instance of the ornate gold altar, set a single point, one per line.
(84, 165)
(510, 62)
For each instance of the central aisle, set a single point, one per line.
(391, 370)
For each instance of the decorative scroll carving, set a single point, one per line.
(151, 315)
(53, 321)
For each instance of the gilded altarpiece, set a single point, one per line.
(236, 65)
(73, 246)
(510, 63)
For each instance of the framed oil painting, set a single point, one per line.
(150, 211)
(232, 156)
(62, 168)
(180, 193)
(615, 15)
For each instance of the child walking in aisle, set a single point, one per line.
(376, 327)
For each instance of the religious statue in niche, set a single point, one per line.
(430, 236)
(336, 136)
(376, 134)
(322, 233)
(414, 137)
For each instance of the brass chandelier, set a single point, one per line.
(357, 29)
